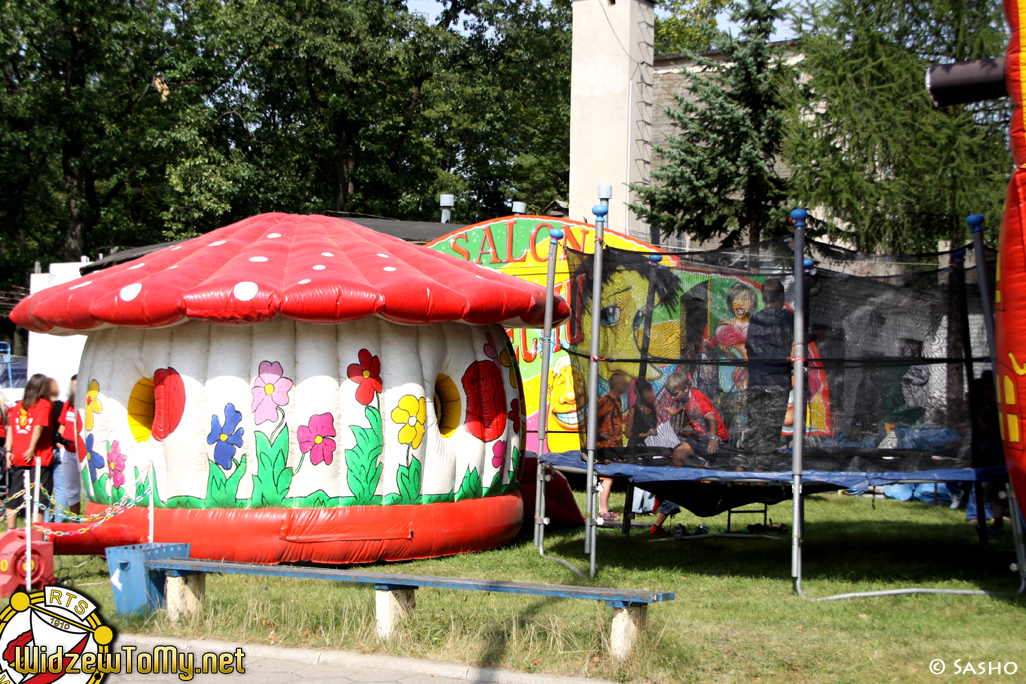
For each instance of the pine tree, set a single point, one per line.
(720, 176)
(889, 170)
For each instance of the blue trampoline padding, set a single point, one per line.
(849, 480)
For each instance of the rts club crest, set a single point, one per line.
(53, 634)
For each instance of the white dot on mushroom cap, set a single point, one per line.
(258, 259)
(271, 236)
(245, 290)
(130, 292)
(389, 268)
(327, 254)
(132, 268)
(75, 287)
(383, 256)
(319, 267)
(304, 281)
(175, 249)
(215, 244)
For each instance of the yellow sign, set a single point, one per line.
(519, 246)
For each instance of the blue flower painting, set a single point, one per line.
(226, 438)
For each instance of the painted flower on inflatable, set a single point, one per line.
(486, 400)
(411, 413)
(368, 374)
(270, 390)
(498, 454)
(316, 438)
(225, 438)
(95, 459)
(116, 464)
(92, 404)
(514, 415)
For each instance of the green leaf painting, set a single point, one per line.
(273, 478)
(470, 488)
(363, 466)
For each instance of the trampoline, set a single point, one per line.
(685, 363)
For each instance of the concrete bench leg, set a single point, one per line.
(628, 623)
(391, 606)
(184, 594)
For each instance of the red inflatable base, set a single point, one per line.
(357, 534)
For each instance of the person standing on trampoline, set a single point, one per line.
(770, 338)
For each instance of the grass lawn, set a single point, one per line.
(735, 618)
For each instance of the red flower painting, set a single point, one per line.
(367, 374)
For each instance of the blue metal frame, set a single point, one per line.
(616, 598)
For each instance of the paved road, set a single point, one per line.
(269, 671)
(277, 665)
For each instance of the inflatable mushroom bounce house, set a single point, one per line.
(302, 389)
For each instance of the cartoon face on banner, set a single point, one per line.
(289, 414)
(519, 246)
(695, 314)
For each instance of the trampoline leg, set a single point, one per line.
(628, 510)
(1020, 551)
(981, 514)
(392, 605)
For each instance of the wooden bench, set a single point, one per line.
(394, 593)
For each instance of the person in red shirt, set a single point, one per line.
(30, 437)
(68, 467)
(709, 432)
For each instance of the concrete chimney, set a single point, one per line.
(611, 106)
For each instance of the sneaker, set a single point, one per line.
(658, 531)
(679, 531)
(609, 516)
(956, 501)
(995, 531)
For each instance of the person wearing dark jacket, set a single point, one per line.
(769, 343)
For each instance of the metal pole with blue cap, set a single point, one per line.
(975, 223)
(600, 211)
(555, 235)
(798, 217)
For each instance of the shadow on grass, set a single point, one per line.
(497, 638)
(908, 552)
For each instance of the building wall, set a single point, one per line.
(56, 356)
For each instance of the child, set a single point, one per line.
(30, 437)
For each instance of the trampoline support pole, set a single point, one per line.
(600, 211)
(555, 235)
(975, 222)
(798, 217)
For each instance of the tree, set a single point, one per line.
(686, 25)
(888, 169)
(720, 176)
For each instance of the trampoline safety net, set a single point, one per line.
(698, 347)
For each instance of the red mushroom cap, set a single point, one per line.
(315, 269)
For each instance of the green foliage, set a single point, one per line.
(273, 478)
(223, 489)
(127, 123)
(470, 488)
(892, 171)
(720, 176)
(438, 498)
(363, 468)
(408, 480)
(686, 25)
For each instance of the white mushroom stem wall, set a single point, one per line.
(284, 413)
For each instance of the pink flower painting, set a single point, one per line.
(315, 438)
(270, 390)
